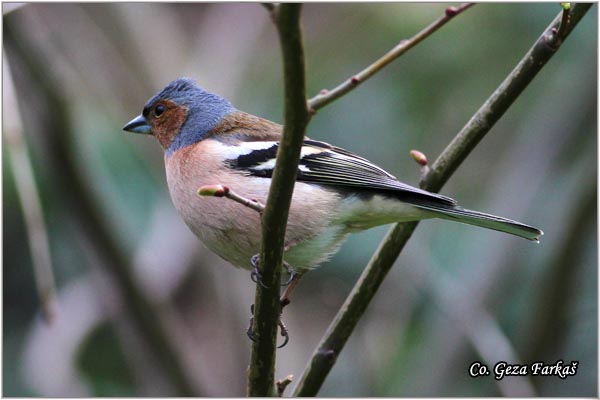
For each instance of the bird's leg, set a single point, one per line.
(285, 297)
(285, 300)
(291, 283)
(288, 267)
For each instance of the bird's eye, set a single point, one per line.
(159, 110)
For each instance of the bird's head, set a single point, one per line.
(180, 115)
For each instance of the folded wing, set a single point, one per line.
(324, 164)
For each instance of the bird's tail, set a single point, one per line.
(455, 213)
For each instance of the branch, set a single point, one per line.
(480, 124)
(29, 197)
(283, 383)
(224, 191)
(267, 307)
(561, 32)
(327, 96)
(502, 98)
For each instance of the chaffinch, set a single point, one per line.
(208, 141)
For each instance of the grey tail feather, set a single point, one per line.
(485, 221)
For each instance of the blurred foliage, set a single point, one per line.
(103, 364)
(426, 326)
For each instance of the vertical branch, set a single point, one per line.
(267, 308)
(29, 198)
(461, 146)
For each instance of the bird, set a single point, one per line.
(207, 141)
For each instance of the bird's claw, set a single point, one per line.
(284, 331)
(255, 275)
(250, 330)
(290, 271)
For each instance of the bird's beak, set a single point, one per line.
(138, 125)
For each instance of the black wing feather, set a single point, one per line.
(322, 163)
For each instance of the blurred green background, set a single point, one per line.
(457, 294)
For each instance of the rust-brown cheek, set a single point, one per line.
(167, 127)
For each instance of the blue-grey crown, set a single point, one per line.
(205, 110)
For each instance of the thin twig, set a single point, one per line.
(494, 107)
(282, 384)
(327, 96)
(224, 191)
(29, 197)
(267, 306)
(564, 23)
(480, 124)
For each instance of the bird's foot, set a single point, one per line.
(256, 275)
(250, 329)
(291, 273)
(284, 331)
